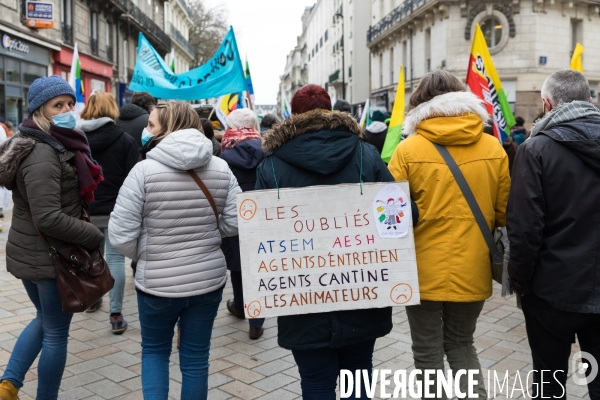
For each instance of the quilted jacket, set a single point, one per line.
(38, 170)
(163, 219)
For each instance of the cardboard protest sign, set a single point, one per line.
(327, 248)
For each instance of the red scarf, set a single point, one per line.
(234, 136)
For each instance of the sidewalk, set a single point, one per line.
(101, 365)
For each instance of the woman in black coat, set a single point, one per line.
(241, 148)
(117, 153)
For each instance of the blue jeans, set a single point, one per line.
(116, 264)
(320, 368)
(158, 316)
(48, 332)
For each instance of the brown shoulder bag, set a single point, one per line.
(207, 194)
(82, 277)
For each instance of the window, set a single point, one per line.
(381, 70)
(13, 73)
(495, 27)
(391, 65)
(427, 50)
(326, 34)
(309, 57)
(66, 21)
(350, 71)
(492, 31)
(109, 45)
(321, 42)
(94, 32)
(31, 72)
(313, 52)
(125, 59)
(575, 33)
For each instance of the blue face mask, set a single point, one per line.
(65, 120)
(146, 136)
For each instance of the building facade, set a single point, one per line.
(528, 40)
(106, 34)
(178, 22)
(25, 55)
(337, 55)
(295, 74)
(332, 51)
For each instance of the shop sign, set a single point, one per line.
(40, 15)
(14, 44)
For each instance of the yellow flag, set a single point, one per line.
(394, 133)
(577, 61)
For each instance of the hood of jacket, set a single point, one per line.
(450, 119)
(88, 125)
(131, 111)
(575, 125)
(319, 141)
(245, 155)
(101, 133)
(15, 149)
(12, 152)
(183, 150)
(377, 127)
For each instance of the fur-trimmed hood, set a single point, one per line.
(12, 152)
(312, 121)
(319, 141)
(465, 105)
(15, 149)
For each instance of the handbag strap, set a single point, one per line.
(470, 198)
(204, 189)
(51, 249)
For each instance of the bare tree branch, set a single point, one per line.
(208, 30)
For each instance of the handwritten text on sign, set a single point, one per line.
(327, 248)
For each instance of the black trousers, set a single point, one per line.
(238, 297)
(551, 332)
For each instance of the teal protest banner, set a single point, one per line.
(223, 74)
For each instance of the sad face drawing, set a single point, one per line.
(248, 209)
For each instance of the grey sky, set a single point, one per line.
(266, 31)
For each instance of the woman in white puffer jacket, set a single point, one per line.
(163, 219)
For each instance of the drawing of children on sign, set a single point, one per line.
(392, 212)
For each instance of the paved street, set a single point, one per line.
(101, 365)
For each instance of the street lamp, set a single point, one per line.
(340, 15)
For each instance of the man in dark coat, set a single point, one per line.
(553, 222)
(318, 146)
(133, 117)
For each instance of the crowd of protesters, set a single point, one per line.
(161, 185)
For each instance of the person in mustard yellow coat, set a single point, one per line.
(453, 260)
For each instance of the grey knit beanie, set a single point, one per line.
(47, 88)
